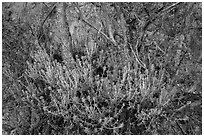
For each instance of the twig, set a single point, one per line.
(53, 8)
(31, 29)
(108, 23)
(124, 34)
(120, 126)
(90, 25)
(181, 129)
(136, 55)
(41, 26)
(157, 46)
(159, 14)
(45, 5)
(168, 8)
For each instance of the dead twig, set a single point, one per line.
(41, 26)
(50, 13)
(160, 13)
(90, 25)
(108, 23)
(136, 54)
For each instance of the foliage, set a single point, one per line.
(102, 68)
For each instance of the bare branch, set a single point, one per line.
(161, 12)
(108, 22)
(53, 8)
(90, 25)
(41, 26)
(32, 32)
(136, 54)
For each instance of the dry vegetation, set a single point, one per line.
(101, 68)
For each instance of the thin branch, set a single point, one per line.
(51, 11)
(41, 26)
(108, 23)
(84, 4)
(170, 7)
(45, 5)
(181, 128)
(123, 25)
(32, 32)
(161, 12)
(90, 25)
(136, 55)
